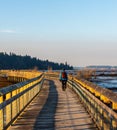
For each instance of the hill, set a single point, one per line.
(13, 61)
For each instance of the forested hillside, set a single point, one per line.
(13, 61)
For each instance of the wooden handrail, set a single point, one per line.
(14, 98)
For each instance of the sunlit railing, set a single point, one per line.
(14, 98)
(22, 73)
(52, 75)
(99, 102)
(104, 116)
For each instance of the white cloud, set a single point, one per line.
(8, 31)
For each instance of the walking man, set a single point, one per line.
(63, 78)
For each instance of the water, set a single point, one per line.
(106, 82)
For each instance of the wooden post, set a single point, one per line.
(8, 109)
(1, 115)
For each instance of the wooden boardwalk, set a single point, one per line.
(54, 109)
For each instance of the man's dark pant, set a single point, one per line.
(64, 82)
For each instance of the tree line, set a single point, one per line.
(13, 61)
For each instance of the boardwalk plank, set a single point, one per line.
(54, 109)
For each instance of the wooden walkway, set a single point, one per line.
(54, 109)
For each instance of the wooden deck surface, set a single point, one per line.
(54, 109)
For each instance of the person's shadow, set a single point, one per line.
(45, 118)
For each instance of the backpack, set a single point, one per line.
(64, 75)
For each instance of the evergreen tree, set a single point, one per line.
(13, 61)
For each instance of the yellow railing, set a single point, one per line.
(99, 108)
(105, 95)
(22, 73)
(52, 75)
(14, 98)
(99, 102)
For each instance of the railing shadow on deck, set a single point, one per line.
(45, 118)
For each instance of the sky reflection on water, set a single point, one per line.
(106, 81)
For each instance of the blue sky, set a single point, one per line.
(81, 32)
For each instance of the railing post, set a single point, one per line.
(1, 115)
(18, 102)
(14, 105)
(8, 110)
(21, 99)
(114, 124)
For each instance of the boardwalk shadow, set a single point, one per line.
(45, 118)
